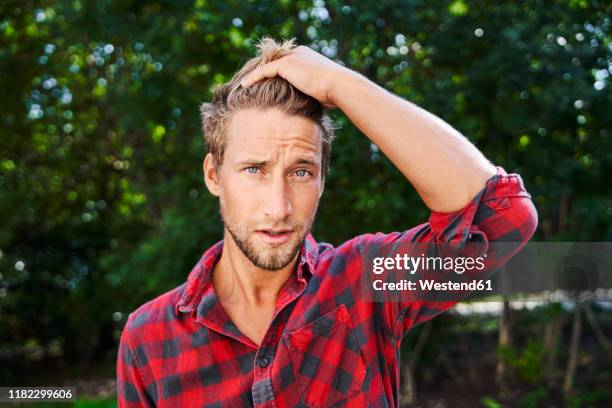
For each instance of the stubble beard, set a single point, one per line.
(270, 258)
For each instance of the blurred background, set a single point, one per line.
(102, 204)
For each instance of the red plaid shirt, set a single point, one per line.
(325, 346)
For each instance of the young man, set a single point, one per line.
(269, 317)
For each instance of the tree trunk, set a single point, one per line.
(409, 385)
(408, 396)
(572, 362)
(501, 373)
(552, 335)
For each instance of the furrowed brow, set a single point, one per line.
(306, 161)
(251, 162)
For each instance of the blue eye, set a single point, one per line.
(302, 173)
(251, 170)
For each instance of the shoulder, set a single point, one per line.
(348, 249)
(153, 316)
(362, 245)
(338, 260)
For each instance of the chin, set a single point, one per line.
(271, 255)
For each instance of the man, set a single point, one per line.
(269, 317)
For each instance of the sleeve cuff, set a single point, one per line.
(457, 227)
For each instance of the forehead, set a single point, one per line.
(264, 132)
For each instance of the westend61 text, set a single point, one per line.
(433, 285)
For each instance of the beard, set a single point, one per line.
(264, 256)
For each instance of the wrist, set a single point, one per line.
(341, 81)
(341, 84)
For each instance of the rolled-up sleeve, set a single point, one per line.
(501, 212)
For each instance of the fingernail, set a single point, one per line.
(243, 84)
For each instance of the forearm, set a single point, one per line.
(442, 165)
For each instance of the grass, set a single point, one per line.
(108, 402)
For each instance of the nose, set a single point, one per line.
(278, 201)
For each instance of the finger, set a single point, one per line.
(268, 70)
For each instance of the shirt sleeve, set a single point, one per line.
(501, 212)
(131, 386)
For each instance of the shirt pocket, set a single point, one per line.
(326, 360)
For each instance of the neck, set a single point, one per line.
(238, 281)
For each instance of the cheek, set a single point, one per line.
(306, 200)
(242, 196)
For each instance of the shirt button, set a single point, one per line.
(263, 362)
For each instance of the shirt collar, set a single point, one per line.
(200, 275)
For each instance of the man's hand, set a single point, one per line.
(307, 70)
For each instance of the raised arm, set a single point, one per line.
(443, 166)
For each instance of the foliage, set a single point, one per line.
(490, 403)
(101, 200)
(589, 398)
(110, 402)
(526, 361)
(534, 398)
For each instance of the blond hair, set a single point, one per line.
(273, 92)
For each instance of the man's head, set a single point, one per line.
(268, 154)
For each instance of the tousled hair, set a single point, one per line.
(275, 92)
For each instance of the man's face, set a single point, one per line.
(269, 184)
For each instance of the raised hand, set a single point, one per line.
(307, 70)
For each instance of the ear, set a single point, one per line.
(211, 178)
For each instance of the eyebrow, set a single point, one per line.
(250, 162)
(302, 160)
(263, 163)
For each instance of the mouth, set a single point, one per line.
(275, 236)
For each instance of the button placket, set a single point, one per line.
(262, 392)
